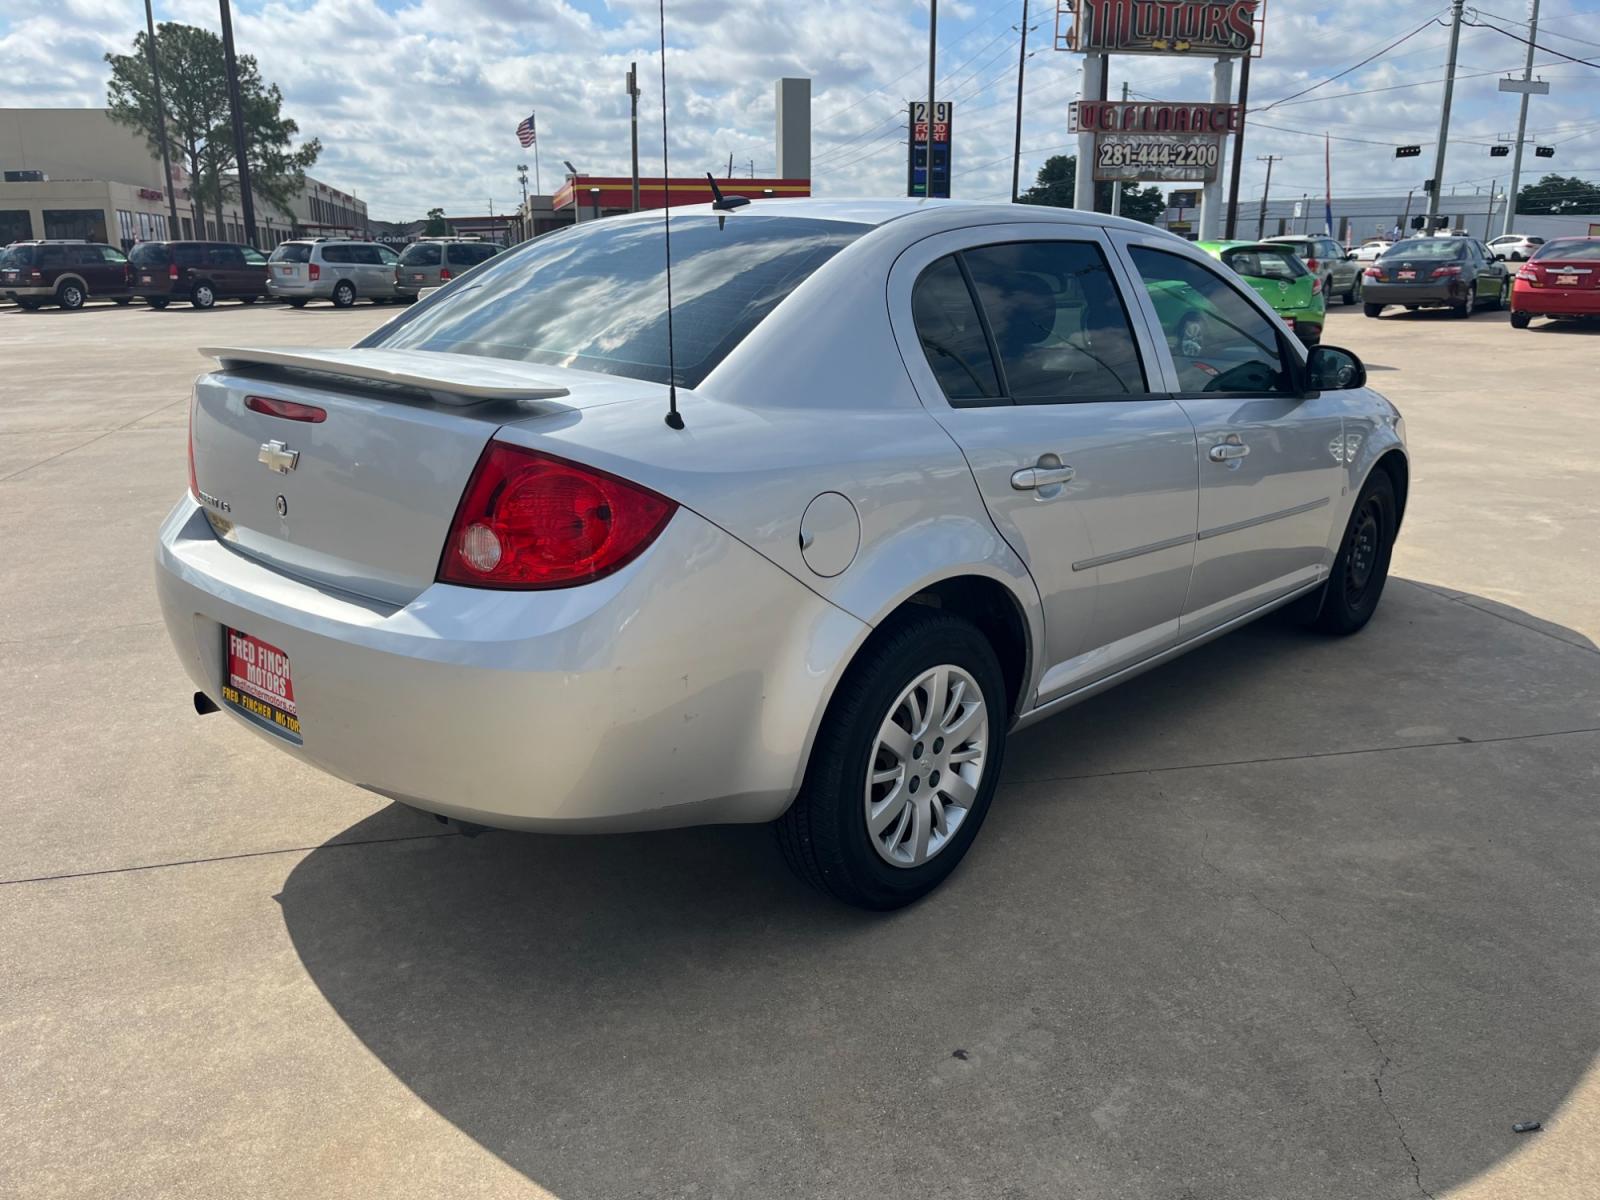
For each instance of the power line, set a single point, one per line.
(1357, 67)
(1518, 37)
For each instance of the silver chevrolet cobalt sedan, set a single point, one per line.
(944, 470)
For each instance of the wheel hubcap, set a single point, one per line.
(926, 765)
(1363, 552)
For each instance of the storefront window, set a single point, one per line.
(15, 226)
(81, 224)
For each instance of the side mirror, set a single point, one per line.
(1350, 257)
(1499, 257)
(1331, 369)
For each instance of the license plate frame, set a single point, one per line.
(1566, 281)
(258, 683)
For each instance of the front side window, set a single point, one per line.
(952, 337)
(112, 255)
(594, 296)
(225, 257)
(1219, 341)
(253, 257)
(386, 256)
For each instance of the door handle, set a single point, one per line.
(1030, 478)
(1230, 449)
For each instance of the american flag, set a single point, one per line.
(526, 134)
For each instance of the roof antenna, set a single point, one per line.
(674, 417)
(721, 202)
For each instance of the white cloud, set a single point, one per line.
(415, 101)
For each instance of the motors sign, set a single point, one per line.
(1208, 28)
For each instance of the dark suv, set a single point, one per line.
(200, 272)
(64, 273)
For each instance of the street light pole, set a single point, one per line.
(1444, 113)
(247, 205)
(1522, 117)
(161, 119)
(1022, 63)
(1261, 219)
(633, 103)
(933, 41)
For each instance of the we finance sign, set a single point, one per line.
(1163, 26)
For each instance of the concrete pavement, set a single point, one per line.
(1286, 918)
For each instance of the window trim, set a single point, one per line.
(1006, 398)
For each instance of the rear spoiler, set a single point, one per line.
(458, 379)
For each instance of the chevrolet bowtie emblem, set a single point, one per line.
(278, 456)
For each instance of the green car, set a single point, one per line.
(1281, 279)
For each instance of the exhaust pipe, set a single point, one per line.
(204, 704)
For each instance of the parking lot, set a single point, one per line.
(1287, 918)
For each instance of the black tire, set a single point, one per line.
(1501, 296)
(203, 295)
(1372, 310)
(122, 301)
(248, 299)
(71, 295)
(1362, 564)
(344, 294)
(1468, 306)
(824, 835)
(1520, 320)
(157, 302)
(29, 305)
(1353, 296)
(295, 303)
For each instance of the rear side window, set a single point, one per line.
(149, 254)
(420, 254)
(294, 252)
(225, 256)
(466, 254)
(952, 337)
(1219, 341)
(189, 255)
(336, 254)
(594, 296)
(52, 256)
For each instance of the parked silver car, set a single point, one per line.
(1515, 247)
(942, 470)
(433, 262)
(1338, 269)
(338, 269)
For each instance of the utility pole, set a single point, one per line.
(247, 204)
(1022, 63)
(1444, 114)
(1488, 219)
(1522, 117)
(933, 45)
(161, 120)
(1116, 187)
(1261, 219)
(1405, 221)
(1238, 150)
(633, 102)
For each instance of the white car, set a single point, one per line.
(933, 471)
(1372, 251)
(1515, 247)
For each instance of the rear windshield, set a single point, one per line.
(594, 296)
(1428, 248)
(1586, 249)
(149, 254)
(17, 256)
(420, 254)
(292, 252)
(1262, 262)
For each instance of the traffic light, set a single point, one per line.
(1429, 186)
(1407, 151)
(1544, 151)
(1499, 151)
(1419, 222)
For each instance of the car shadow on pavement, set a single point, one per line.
(1287, 917)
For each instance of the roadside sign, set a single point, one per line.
(1528, 87)
(917, 148)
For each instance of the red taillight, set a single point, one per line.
(1442, 272)
(313, 272)
(1372, 273)
(172, 271)
(287, 409)
(36, 273)
(1529, 274)
(1316, 284)
(1311, 264)
(194, 484)
(444, 274)
(528, 521)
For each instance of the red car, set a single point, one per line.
(1561, 280)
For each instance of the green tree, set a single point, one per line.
(436, 226)
(1557, 194)
(194, 98)
(1058, 176)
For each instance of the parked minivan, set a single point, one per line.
(336, 269)
(68, 273)
(433, 262)
(200, 272)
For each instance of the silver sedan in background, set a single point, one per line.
(933, 472)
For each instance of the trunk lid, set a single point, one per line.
(362, 498)
(1581, 275)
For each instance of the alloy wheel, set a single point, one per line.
(926, 765)
(71, 296)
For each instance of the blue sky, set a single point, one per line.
(416, 101)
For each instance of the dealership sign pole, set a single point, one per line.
(1158, 140)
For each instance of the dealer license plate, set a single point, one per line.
(1407, 274)
(1567, 280)
(417, 278)
(144, 279)
(256, 681)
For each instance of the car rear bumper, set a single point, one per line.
(683, 690)
(27, 293)
(1556, 302)
(300, 289)
(1408, 293)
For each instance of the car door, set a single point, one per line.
(1491, 275)
(1271, 457)
(1022, 346)
(252, 272)
(96, 271)
(226, 265)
